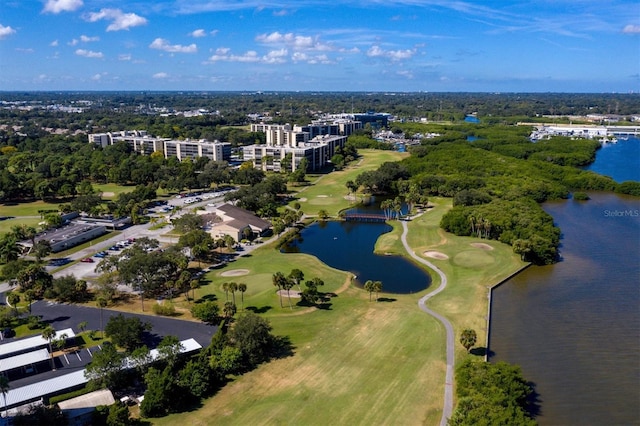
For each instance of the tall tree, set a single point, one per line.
(49, 333)
(286, 285)
(297, 276)
(369, 287)
(101, 302)
(278, 280)
(233, 287)
(242, 287)
(377, 287)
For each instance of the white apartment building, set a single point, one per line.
(141, 142)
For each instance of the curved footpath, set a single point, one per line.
(447, 409)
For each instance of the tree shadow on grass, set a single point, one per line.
(207, 298)
(282, 347)
(386, 299)
(260, 310)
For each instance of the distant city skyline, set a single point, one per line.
(314, 45)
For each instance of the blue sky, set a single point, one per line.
(307, 45)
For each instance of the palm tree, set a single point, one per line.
(286, 285)
(101, 302)
(386, 206)
(233, 287)
(229, 309)
(29, 297)
(49, 334)
(225, 287)
(4, 388)
(472, 221)
(369, 287)
(397, 207)
(242, 287)
(13, 299)
(278, 279)
(468, 338)
(194, 284)
(297, 276)
(377, 287)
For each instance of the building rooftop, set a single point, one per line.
(24, 345)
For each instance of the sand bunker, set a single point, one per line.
(322, 196)
(436, 255)
(235, 273)
(482, 246)
(302, 200)
(293, 294)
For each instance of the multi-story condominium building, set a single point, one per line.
(145, 144)
(317, 142)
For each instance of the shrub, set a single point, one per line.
(165, 308)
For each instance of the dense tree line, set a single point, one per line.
(496, 182)
(492, 394)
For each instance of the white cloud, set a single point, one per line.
(160, 75)
(631, 29)
(276, 56)
(73, 42)
(6, 31)
(405, 73)
(54, 43)
(87, 39)
(57, 6)
(89, 53)
(198, 33)
(311, 59)
(394, 55)
(223, 54)
(98, 76)
(119, 20)
(24, 49)
(124, 57)
(297, 42)
(214, 32)
(162, 44)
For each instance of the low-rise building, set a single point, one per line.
(234, 222)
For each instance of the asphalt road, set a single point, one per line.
(448, 385)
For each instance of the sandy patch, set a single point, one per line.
(108, 194)
(234, 273)
(302, 200)
(322, 196)
(436, 255)
(482, 246)
(293, 294)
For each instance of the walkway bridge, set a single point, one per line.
(365, 217)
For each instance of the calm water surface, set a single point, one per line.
(574, 327)
(620, 161)
(349, 246)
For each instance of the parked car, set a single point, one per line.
(87, 260)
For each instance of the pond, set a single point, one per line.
(349, 246)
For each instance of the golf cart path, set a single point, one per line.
(448, 385)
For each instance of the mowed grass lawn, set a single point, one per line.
(358, 362)
(329, 191)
